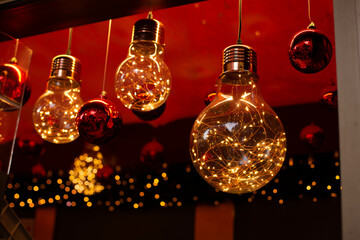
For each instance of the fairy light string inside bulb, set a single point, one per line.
(238, 154)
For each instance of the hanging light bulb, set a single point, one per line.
(55, 111)
(142, 81)
(238, 143)
(310, 50)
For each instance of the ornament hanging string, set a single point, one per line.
(150, 15)
(68, 51)
(312, 24)
(106, 57)
(239, 33)
(14, 59)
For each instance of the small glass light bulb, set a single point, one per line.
(143, 80)
(55, 111)
(238, 143)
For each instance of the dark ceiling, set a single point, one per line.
(196, 35)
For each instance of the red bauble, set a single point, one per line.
(104, 173)
(310, 51)
(329, 96)
(313, 136)
(31, 148)
(209, 98)
(150, 115)
(12, 81)
(98, 121)
(152, 152)
(38, 170)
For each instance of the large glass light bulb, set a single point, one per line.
(55, 111)
(238, 143)
(142, 81)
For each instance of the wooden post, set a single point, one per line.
(347, 30)
(214, 222)
(45, 223)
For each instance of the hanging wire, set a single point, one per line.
(312, 24)
(150, 15)
(106, 57)
(239, 33)
(68, 51)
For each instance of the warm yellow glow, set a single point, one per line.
(55, 111)
(83, 175)
(143, 80)
(16, 196)
(237, 143)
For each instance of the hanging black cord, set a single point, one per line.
(239, 33)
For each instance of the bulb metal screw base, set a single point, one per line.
(239, 65)
(66, 67)
(148, 30)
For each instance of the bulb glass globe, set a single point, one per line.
(143, 80)
(55, 112)
(238, 143)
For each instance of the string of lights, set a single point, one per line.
(303, 177)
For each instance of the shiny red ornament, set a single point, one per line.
(152, 152)
(209, 98)
(38, 170)
(150, 115)
(31, 148)
(98, 121)
(313, 136)
(310, 51)
(13, 79)
(329, 96)
(104, 173)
